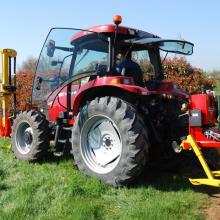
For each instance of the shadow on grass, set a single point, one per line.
(168, 177)
(160, 178)
(2, 174)
(175, 180)
(3, 186)
(50, 158)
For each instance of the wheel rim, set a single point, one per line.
(24, 137)
(101, 145)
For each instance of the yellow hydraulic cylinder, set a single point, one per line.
(6, 54)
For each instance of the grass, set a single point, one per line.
(55, 189)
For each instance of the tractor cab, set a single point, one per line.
(77, 56)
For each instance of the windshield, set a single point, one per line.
(173, 46)
(66, 53)
(147, 51)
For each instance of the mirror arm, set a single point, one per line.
(68, 49)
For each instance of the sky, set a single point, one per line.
(25, 23)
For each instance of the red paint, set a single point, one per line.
(201, 101)
(206, 104)
(71, 122)
(165, 88)
(57, 102)
(201, 140)
(186, 145)
(108, 28)
(168, 88)
(6, 131)
(121, 82)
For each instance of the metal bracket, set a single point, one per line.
(211, 175)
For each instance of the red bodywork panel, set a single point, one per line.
(5, 131)
(206, 103)
(121, 82)
(57, 102)
(110, 29)
(201, 139)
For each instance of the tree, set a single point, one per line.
(187, 77)
(180, 71)
(29, 65)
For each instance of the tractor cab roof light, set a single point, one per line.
(117, 19)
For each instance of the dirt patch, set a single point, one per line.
(212, 211)
(194, 170)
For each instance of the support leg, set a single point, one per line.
(211, 181)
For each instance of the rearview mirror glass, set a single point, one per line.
(50, 48)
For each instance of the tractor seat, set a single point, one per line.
(131, 69)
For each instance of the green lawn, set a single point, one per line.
(55, 189)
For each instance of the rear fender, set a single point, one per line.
(121, 86)
(106, 86)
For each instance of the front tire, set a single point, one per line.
(30, 135)
(110, 141)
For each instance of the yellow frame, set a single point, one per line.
(5, 55)
(210, 180)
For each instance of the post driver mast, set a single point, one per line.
(8, 61)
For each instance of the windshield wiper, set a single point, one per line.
(85, 54)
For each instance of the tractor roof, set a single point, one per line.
(109, 29)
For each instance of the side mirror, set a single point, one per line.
(50, 48)
(39, 80)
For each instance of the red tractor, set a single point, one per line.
(91, 98)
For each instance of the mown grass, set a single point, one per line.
(55, 189)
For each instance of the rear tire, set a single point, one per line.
(110, 141)
(30, 136)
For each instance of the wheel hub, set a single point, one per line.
(28, 137)
(101, 144)
(107, 142)
(24, 137)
